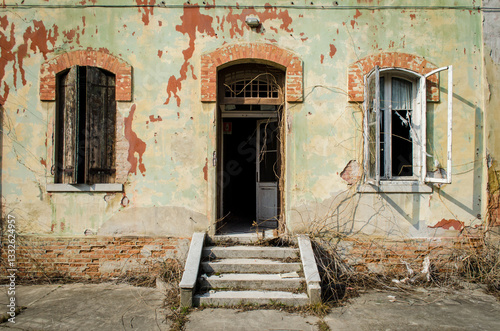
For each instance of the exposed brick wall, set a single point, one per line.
(418, 64)
(238, 53)
(394, 257)
(89, 57)
(92, 257)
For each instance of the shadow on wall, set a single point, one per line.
(476, 167)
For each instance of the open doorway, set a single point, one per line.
(249, 148)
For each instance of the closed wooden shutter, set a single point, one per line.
(67, 128)
(100, 126)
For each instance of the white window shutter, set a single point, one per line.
(446, 179)
(372, 123)
(376, 108)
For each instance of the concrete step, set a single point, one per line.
(220, 252)
(249, 266)
(234, 298)
(252, 281)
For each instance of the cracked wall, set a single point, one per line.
(170, 184)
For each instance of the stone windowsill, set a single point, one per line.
(84, 188)
(395, 187)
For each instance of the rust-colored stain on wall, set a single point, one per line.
(36, 38)
(205, 170)
(153, 119)
(333, 50)
(136, 145)
(192, 21)
(147, 8)
(270, 13)
(447, 224)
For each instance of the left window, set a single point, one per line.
(85, 126)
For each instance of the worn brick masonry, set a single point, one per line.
(400, 257)
(88, 57)
(417, 64)
(217, 59)
(92, 257)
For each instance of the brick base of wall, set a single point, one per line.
(397, 258)
(92, 257)
(103, 258)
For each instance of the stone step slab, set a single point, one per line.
(249, 266)
(220, 252)
(252, 281)
(235, 298)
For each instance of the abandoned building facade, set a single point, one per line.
(128, 127)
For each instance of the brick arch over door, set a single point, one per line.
(212, 61)
(415, 63)
(51, 68)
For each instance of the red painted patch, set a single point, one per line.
(160, 53)
(192, 21)
(322, 58)
(447, 224)
(63, 226)
(333, 50)
(205, 170)
(39, 37)
(43, 162)
(36, 38)
(353, 22)
(413, 16)
(237, 21)
(6, 52)
(153, 119)
(358, 14)
(148, 9)
(136, 145)
(70, 34)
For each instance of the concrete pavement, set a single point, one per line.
(87, 307)
(125, 307)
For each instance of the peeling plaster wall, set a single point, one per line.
(170, 135)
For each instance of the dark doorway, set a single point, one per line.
(239, 154)
(250, 101)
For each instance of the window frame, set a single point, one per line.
(68, 147)
(388, 125)
(418, 131)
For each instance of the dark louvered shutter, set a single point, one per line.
(100, 126)
(67, 128)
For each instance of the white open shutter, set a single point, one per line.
(372, 127)
(428, 177)
(376, 108)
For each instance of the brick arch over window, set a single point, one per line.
(418, 64)
(255, 51)
(122, 71)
